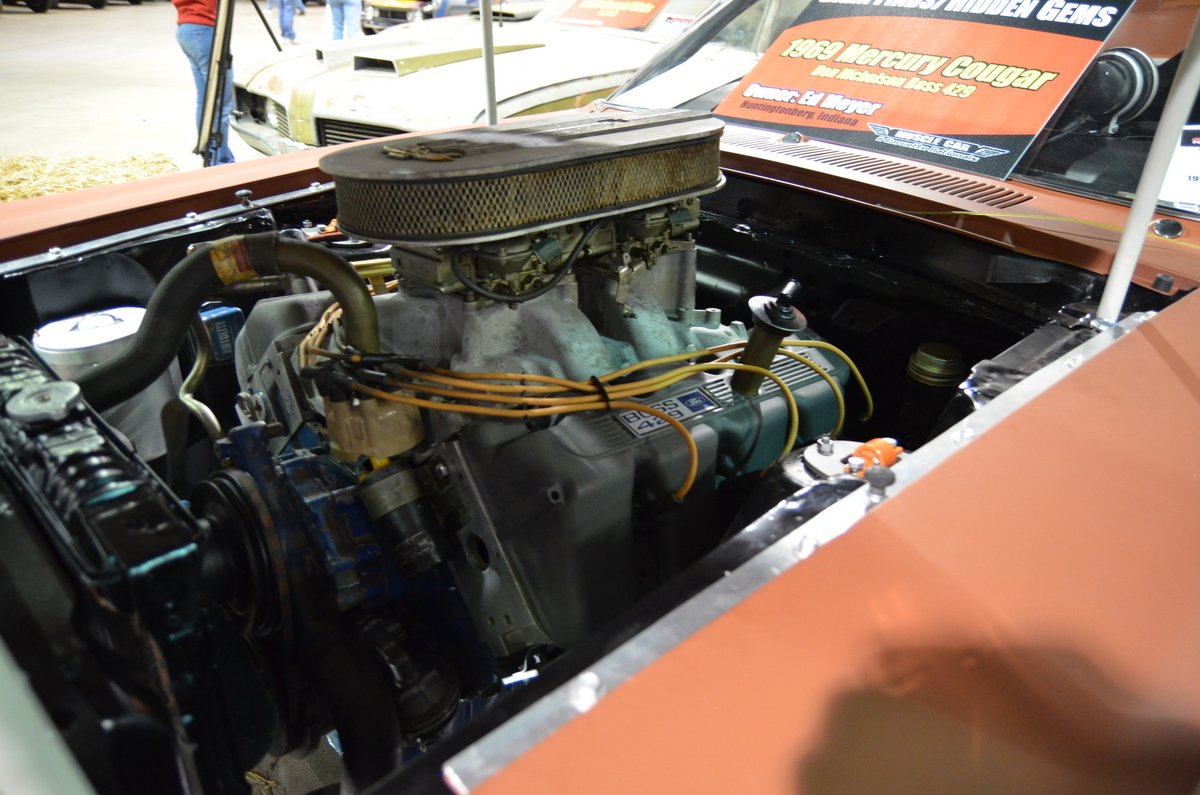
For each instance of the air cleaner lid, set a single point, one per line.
(490, 182)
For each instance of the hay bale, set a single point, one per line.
(27, 176)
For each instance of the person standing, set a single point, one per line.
(287, 12)
(196, 21)
(346, 16)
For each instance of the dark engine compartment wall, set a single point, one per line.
(863, 272)
(124, 269)
(879, 286)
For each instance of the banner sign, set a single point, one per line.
(624, 14)
(962, 83)
(1182, 186)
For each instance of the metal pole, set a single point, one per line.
(489, 59)
(266, 24)
(220, 63)
(1145, 200)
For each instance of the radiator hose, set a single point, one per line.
(203, 272)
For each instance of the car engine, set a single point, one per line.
(552, 521)
(528, 426)
(505, 391)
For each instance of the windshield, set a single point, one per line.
(721, 48)
(1099, 143)
(1095, 143)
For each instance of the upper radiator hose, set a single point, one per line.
(200, 274)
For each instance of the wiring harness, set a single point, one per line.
(528, 396)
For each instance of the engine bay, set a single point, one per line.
(377, 460)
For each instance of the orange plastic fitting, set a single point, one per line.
(877, 452)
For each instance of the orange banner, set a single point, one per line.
(969, 94)
(624, 14)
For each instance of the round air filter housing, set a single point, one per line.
(488, 183)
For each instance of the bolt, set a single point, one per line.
(825, 445)
(249, 405)
(585, 691)
(191, 215)
(1163, 283)
(855, 464)
(805, 547)
(441, 471)
(964, 435)
(782, 310)
(878, 479)
(244, 196)
(789, 294)
(1168, 228)
(55, 251)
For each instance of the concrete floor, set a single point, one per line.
(78, 81)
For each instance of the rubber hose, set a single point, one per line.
(180, 293)
(170, 309)
(338, 276)
(359, 699)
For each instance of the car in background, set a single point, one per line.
(381, 14)
(430, 76)
(42, 6)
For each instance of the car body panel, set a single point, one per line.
(578, 59)
(964, 645)
(35, 226)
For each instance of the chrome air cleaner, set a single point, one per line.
(491, 182)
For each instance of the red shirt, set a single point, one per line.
(198, 12)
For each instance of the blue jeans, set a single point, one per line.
(346, 16)
(196, 41)
(287, 12)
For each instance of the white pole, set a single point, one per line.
(489, 58)
(1145, 200)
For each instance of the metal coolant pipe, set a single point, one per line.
(1145, 201)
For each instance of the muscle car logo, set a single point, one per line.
(934, 144)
